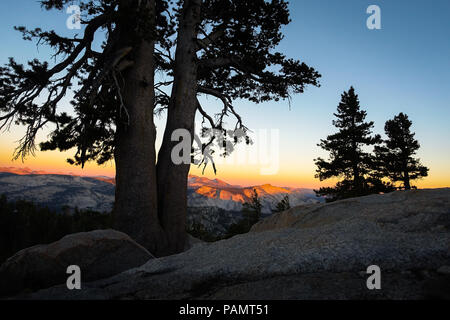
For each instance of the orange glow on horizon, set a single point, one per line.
(55, 162)
(291, 174)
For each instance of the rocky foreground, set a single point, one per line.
(318, 251)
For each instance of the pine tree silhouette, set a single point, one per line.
(396, 155)
(348, 157)
(283, 205)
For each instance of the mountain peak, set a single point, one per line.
(270, 189)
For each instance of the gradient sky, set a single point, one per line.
(405, 67)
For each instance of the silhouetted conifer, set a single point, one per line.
(349, 158)
(396, 155)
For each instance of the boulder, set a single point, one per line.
(191, 242)
(404, 211)
(99, 254)
(314, 252)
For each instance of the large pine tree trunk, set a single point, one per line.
(356, 179)
(172, 179)
(151, 201)
(136, 210)
(406, 180)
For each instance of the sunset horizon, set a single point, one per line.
(232, 178)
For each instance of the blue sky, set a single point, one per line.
(404, 67)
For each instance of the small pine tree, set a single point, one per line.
(252, 210)
(396, 155)
(348, 156)
(283, 205)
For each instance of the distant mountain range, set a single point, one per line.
(58, 191)
(204, 192)
(97, 193)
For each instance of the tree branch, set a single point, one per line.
(209, 39)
